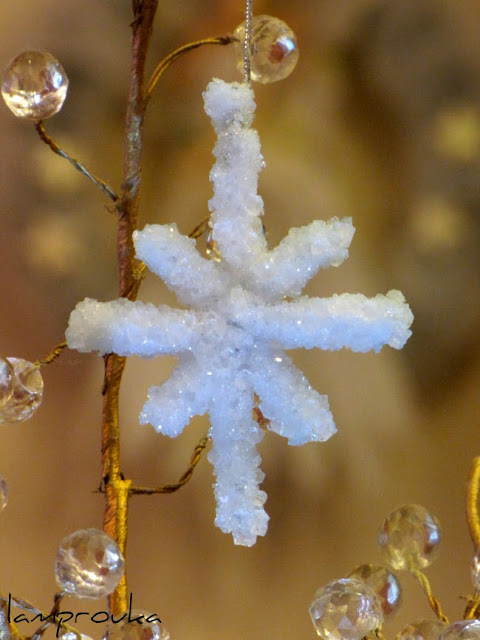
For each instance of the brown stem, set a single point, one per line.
(116, 487)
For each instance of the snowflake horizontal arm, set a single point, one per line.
(131, 328)
(347, 320)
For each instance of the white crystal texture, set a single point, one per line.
(230, 338)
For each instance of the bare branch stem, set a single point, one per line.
(116, 487)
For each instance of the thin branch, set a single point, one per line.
(167, 61)
(53, 355)
(57, 599)
(471, 503)
(432, 600)
(115, 519)
(48, 140)
(184, 478)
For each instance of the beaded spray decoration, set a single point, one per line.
(254, 323)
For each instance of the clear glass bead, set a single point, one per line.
(476, 570)
(89, 564)
(147, 628)
(34, 85)
(70, 635)
(422, 630)
(462, 630)
(409, 537)
(383, 583)
(6, 381)
(27, 392)
(274, 49)
(345, 609)
(3, 493)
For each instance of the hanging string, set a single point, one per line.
(247, 43)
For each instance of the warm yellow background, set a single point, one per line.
(381, 122)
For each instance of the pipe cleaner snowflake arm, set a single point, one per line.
(175, 259)
(348, 320)
(187, 393)
(295, 410)
(131, 328)
(236, 462)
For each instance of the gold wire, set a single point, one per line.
(184, 478)
(471, 502)
(472, 609)
(432, 600)
(48, 140)
(200, 229)
(53, 355)
(174, 55)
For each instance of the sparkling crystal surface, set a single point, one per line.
(148, 628)
(383, 583)
(70, 635)
(27, 392)
(345, 609)
(462, 630)
(475, 568)
(34, 85)
(409, 537)
(422, 630)
(3, 493)
(6, 381)
(274, 49)
(89, 564)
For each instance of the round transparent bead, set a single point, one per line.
(89, 564)
(6, 381)
(409, 537)
(27, 392)
(147, 628)
(273, 46)
(462, 630)
(384, 584)
(476, 570)
(34, 85)
(422, 630)
(70, 635)
(345, 609)
(3, 493)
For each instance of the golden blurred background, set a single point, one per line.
(381, 122)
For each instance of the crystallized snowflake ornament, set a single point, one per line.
(242, 312)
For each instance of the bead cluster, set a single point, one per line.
(356, 606)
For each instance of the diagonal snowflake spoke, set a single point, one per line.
(174, 258)
(187, 393)
(347, 320)
(131, 328)
(286, 269)
(296, 411)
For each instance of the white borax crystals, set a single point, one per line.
(242, 312)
